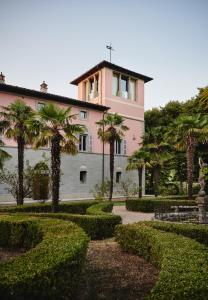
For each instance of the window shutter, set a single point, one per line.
(124, 147)
(90, 143)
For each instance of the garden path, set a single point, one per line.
(111, 274)
(129, 217)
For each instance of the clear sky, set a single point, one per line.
(56, 41)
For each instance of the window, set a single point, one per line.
(83, 114)
(96, 86)
(40, 105)
(83, 176)
(124, 87)
(132, 89)
(115, 84)
(118, 177)
(91, 88)
(83, 142)
(118, 147)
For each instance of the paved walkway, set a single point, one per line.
(129, 217)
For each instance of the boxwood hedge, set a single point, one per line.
(183, 262)
(98, 222)
(51, 269)
(195, 231)
(149, 205)
(74, 207)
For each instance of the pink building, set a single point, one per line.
(104, 88)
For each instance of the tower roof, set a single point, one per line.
(107, 64)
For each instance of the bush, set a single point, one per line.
(98, 223)
(182, 261)
(51, 269)
(78, 207)
(149, 205)
(195, 231)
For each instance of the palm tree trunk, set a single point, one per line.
(156, 178)
(55, 167)
(111, 169)
(190, 161)
(140, 181)
(20, 149)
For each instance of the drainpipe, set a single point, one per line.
(103, 155)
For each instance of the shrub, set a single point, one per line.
(198, 232)
(79, 207)
(149, 205)
(51, 269)
(182, 261)
(98, 223)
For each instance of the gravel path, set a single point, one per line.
(111, 274)
(129, 217)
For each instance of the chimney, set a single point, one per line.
(2, 78)
(44, 87)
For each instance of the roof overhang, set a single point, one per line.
(107, 64)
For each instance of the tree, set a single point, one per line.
(138, 161)
(186, 132)
(11, 179)
(3, 155)
(56, 129)
(114, 132)
(14, 125)
(158, 153)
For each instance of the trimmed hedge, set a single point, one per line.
(195, 231)
(183, 262)
(52, 268)
(149, 205)
(74, 207)
(98, 223)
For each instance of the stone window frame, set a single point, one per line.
(95, 78)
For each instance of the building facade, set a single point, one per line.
(104, 88)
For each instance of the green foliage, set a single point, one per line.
(128, 188)
(101, 190)
(197, 232)
(95, 218)
(149, 205)
(11, 179)
(182, 261)
(51, 269)
(74, 207)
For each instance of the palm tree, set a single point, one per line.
(55, 129)
(186, 132)
(3, 155)
(14, 125)
(114, 132)
(158, 153)
(138, 161)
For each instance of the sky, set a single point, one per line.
(57, 41)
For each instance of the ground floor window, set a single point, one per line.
(83, 176)
(118, 177)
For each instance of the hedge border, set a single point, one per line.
(183, 262)
(51, 269)
(149, 205)
(198, 232)
(98, 222)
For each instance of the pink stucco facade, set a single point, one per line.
(131, 110)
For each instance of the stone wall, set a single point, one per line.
(71, 187)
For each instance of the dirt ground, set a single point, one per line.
(9, 254)
(113, 274)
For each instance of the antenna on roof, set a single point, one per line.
(110, 48)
